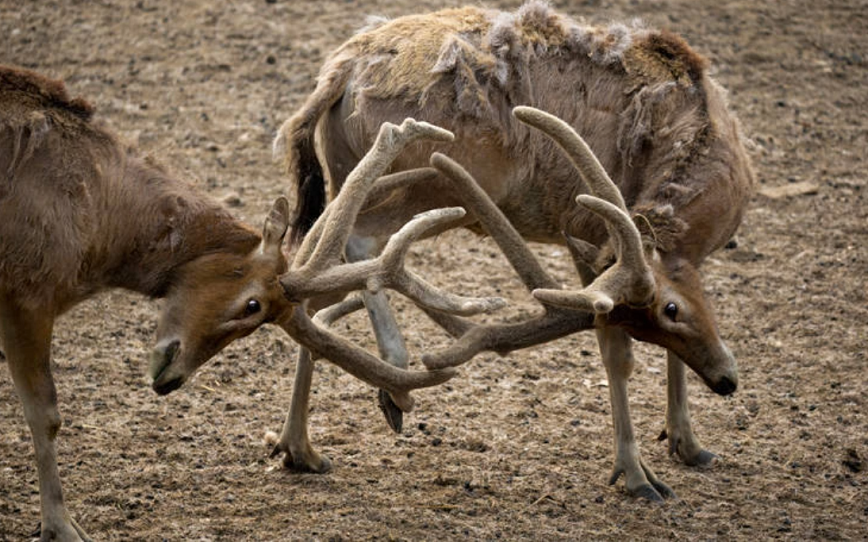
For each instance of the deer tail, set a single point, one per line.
(295, 145)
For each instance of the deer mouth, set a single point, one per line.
(162, 358)
(725, 386)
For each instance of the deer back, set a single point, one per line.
(641, 99)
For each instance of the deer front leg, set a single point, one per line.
(26, 336)
(618, 360)
(390, 342)
(294, 441)
(678, 430)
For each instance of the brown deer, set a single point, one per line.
(650, 113)
(81, 213)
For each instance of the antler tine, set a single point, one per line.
(622, 278)
(413, 286)
(582, 157)
(506, 337)
(495, 223)
(360, 363)
(383, 185)
(333, 313)
(630, 279)
(317, 251)
(388, 184)
(387, 271)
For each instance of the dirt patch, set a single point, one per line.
(517, 447)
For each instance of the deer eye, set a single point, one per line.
(671, 311)
(252, 307)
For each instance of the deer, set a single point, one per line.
(623, 112)
(81, 212)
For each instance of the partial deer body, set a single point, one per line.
(81, 213)
(651, 115)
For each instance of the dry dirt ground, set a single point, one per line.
(517, 448)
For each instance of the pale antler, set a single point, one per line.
(629, 280)
(317, 268)
(473, 338)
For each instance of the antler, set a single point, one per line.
(629, 280)
(317, 268)
(473, 338)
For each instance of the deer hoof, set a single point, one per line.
(394, 415)
(313, 463)
(703, 458)
(305, 460)
(647, 492)
(688, 448)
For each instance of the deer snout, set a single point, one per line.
(165, 377)
(725, 386)
(726, 381)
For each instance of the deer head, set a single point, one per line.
(679, 318)
(217, 299)
(220, 298)
(660, 297)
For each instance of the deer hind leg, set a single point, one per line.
(390, 341)
(294, 441)
(618, 360)
(26, 337)
(678, 430)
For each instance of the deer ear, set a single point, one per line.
(275, 226)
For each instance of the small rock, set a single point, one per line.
(233, 200)
(853, 461)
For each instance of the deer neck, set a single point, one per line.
(160, 224)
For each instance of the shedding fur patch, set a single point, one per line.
(660, 57)
(659, 225)
(474, 51)
(372, 22)
(31, 104)
(467, 64)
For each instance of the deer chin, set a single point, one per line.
(164, 374)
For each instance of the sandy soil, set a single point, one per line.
(514, 448)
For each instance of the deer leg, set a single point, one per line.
(678, 430)
(294, 441)
(390, 342)
(618, 360)
(26, 337)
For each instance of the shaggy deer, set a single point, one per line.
(82, 213)
(653, 117)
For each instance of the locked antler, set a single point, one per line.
(628, 281)
(318, 267)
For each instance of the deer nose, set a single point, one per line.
(724, 386)
(163, 378)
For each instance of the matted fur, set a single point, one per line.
(643, 102)
(638, 95)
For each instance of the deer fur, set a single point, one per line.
(641, 98)
(82, 213)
